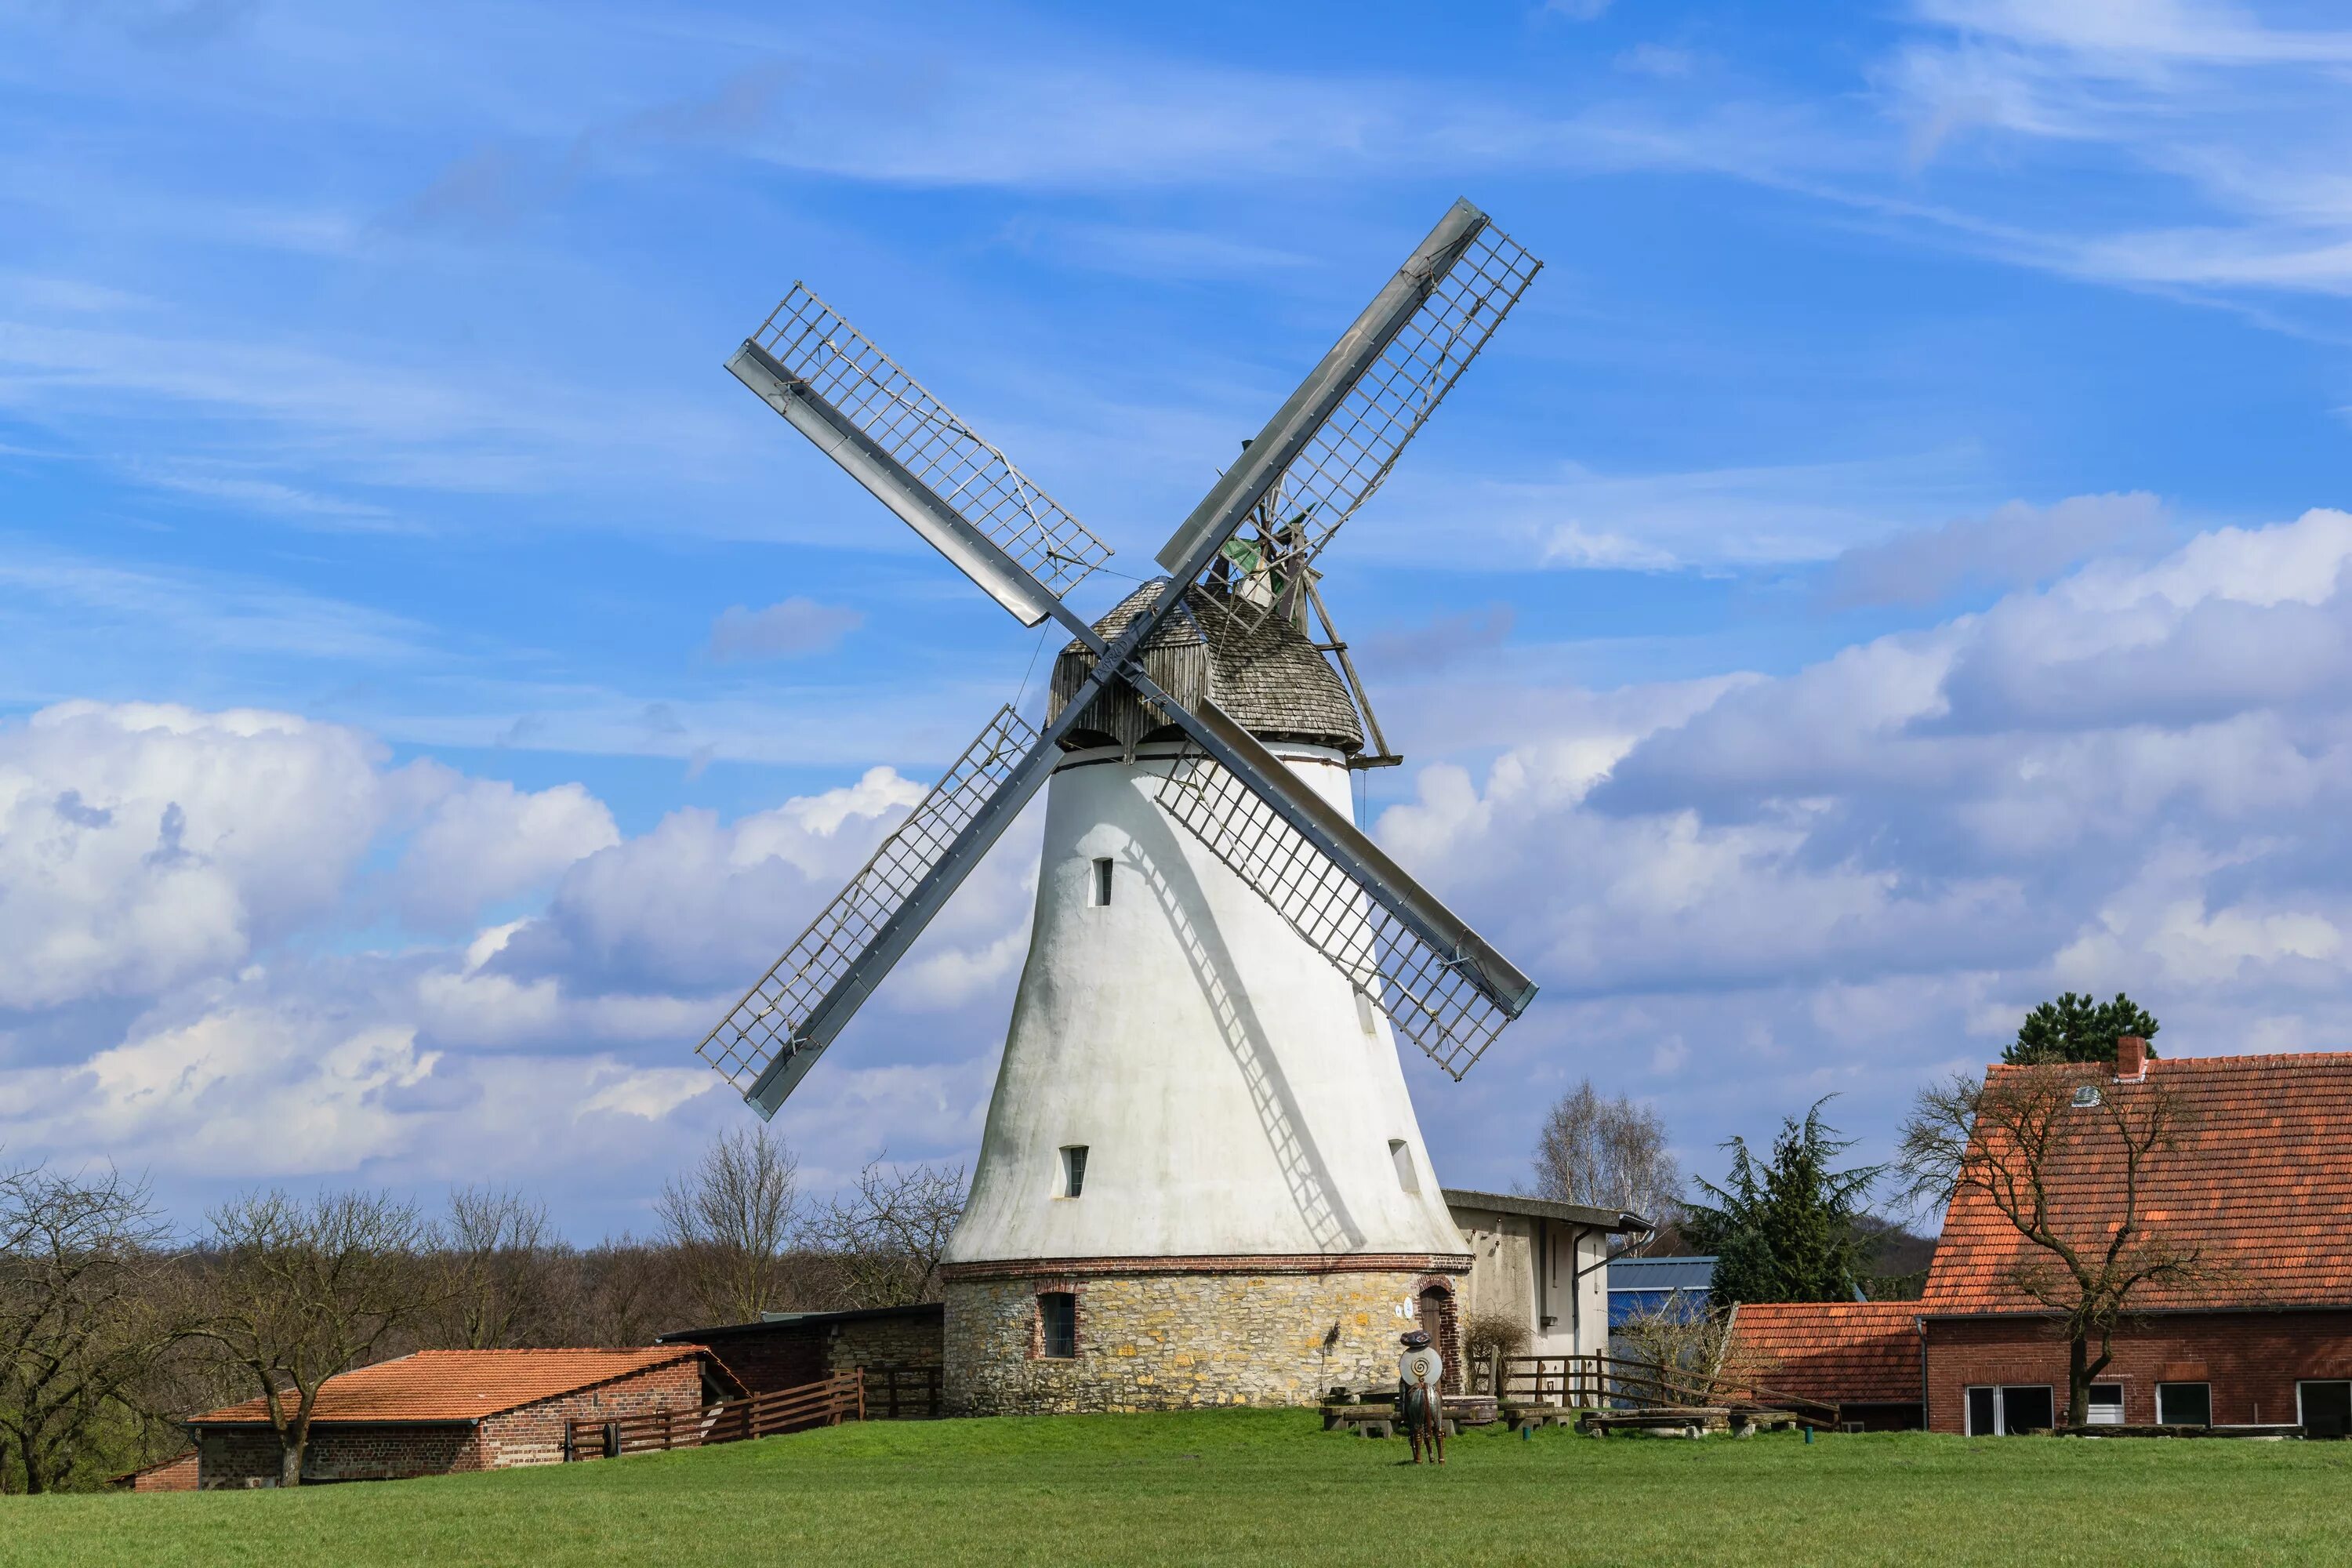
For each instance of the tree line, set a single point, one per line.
(114, 1327)
(1796, 1224)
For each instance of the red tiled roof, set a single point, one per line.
(467, 1386)
(2260, 1182)
(1842, 1352)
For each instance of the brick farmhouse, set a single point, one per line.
(439, 1412)
(2259, 1183)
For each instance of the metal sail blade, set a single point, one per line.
(1329, 449)
(769, 1042)
(1441, 984)
(952, 486)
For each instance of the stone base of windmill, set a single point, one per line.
(1178, 1334)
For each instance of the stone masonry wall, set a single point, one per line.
(1169, 1341)
(874, 1343)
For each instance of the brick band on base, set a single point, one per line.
(1175, 1333)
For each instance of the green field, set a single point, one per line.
(1266, 1486)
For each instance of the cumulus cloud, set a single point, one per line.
(485, 840)
(785, 630)
(145, 844)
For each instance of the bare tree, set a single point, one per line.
(733, 1219)
(2013, 1139)
(1609, 1153)
(79, 1326)
(888, 1234)
(498, 1265)
(303, 1290)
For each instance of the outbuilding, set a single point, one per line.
(1541, 1263)
(438, 1412)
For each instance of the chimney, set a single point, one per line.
(2131, 1058)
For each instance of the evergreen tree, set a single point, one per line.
(2077, 1029)
(1786, 1231)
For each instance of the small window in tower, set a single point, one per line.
(1057, 1325)
(1073, 1169)
(1364, 1012)
(1102, 880)
(1401, 1155)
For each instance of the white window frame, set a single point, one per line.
(1408, 1172)
(2343, 1383)
(2092, 1417)
(2207, 1385)
(2000, 1405)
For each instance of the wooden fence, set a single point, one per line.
(902, 1394)
(829, 1401)
(1600, 1382)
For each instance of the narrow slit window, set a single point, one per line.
(1364, 1012)
(1102, 882)
(1401, 1156)
(1073, 1169)
(1057, 1325)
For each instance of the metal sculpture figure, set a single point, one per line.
(1421, 1396)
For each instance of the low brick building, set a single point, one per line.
(2257, 1185)
(1861, 1356)
(436, 1412)
(787, 1350)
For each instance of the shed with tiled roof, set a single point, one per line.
(1862, 1356)
(436, 1412)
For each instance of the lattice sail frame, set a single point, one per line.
(812, 340)
(1349, 455)
(766, 1023)
(1430, 997)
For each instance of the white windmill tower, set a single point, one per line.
(1202, 1179)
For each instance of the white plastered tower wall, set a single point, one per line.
(1234, 1094)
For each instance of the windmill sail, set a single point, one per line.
(1466, 281)
(953, 488)
(1446, 1001)
(766, 1045)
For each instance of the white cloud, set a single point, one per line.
(796, 626)
(485, 840)
(143, 844)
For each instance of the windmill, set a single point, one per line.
(1211, 1057)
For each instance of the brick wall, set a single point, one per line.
(786, 1356)
(534, 1433)
(1169, 1341)
(2253, 1360)
(231, 1458)
(173, 1474)
(236, 1456)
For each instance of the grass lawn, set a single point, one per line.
(1266, 1487)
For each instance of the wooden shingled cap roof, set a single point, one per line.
(468, 1385)
(1268, 675)
(2260, 1182)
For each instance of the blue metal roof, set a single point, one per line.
(1661, 1273)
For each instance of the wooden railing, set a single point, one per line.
(1598, 1381)
(828, 1402)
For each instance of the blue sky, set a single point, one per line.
(1860, 592)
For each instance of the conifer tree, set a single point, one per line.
(2077, 1029)
(1786, 1231)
